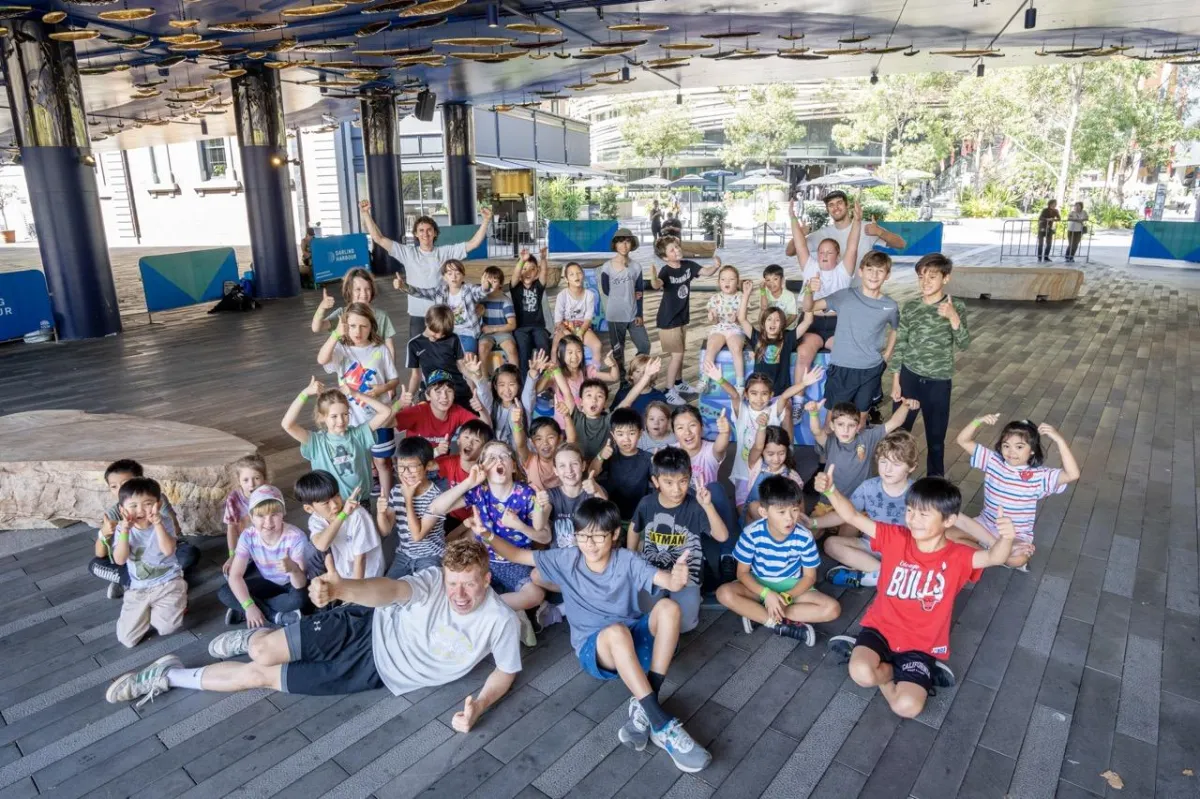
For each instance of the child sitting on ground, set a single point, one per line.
(770, 456)
(116, 475)
(571, 369)
(905, 636)
(454, 467)
(777, 562)
(420, 535)
(725, 332)
(590, 415)
(624, 468)
(536, 451)
(670, 524)
(881, 499)
(500, 400)
(499, 321)
(658, 432)
(358, 285)
(574, 309)
(497, 495)
(339, 447)
(278, 550)
(705, 458)
(343, 529)
(249, 473)
(144, 543)
(462, 298)
(563, 499)
(1014, 480)
(437, 350)
(612, 636)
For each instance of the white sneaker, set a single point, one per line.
(528, 636)
(869, 579)
(635, 732)
(673, 398)
(684, 387)
(747, 626)
(144, 684)
(548, 614)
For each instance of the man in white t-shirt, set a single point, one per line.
(424, 630)
(838, 229)
(423, 261)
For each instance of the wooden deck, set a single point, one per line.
(1086, 664)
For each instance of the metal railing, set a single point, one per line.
(762, 233)
(1019, 239)
(509, 238)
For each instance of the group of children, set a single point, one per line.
(612, 511)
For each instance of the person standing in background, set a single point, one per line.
(1076, 227)
(1047, 222)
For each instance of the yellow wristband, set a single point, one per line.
(246, 605)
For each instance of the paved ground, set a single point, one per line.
(1084, 665)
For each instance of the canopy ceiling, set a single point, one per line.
(819, 38)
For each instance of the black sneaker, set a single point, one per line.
(842, 646)
(790, 629)
(233, 617)
(874, 416)
(728, 569)
(941, 675)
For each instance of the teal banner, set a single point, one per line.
(457, 234)
(921, 238)
(1169, 241)
(590, 235)
(334, 256)
(186, 278)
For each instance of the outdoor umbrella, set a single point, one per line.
(760, 181)
(908, 175)
(764, 171)
(652, 182)
(599, 183)
(690, 182)
(855, 176)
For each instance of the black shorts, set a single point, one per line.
(331, 653)
(824, 326)
(914, 667)
(859, 387)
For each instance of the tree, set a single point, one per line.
(983, 109)
(657, 135)
(898, 113)
(763, 128)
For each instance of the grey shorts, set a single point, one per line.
(497, 338)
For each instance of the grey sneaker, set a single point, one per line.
(842, 646)
(673, 398)
(146, 684)
(635, 732)
(688, 755)
(941, 675)
(115, 591)
(231, 644)
(284, 619)
(747, 626)
(791, 629)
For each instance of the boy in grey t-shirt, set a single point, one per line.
(144, 542)
(621, 285)
(850, 451)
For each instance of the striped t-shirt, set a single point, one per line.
(433, 545)
(1017, 490)
(497, 310)
(777, 560)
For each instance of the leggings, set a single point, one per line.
(270, 597)
(616, 338)
(934, 396)
(186, 554)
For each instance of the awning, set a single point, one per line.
(541, 167)
(497, 163)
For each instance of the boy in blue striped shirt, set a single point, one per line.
(777, 562)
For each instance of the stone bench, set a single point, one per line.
(698, 249)
(1016, 282)
(52, 466)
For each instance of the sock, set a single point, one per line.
(869, 579)
(656, 681)
(659, 718)
(185, 678)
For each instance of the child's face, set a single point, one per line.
(529, 273)
(412, 470)
(893, 472)
(499, 463)
(337, 418)
(828, 255)
(574, 277)
(433, 335)
(358, 329)
(773, 282)
(328, 509)
(425, 235)
(490, 282)
(773, 326)
(470, 444)
(672, 487)
(622, 246)
(687, 431)
(360, 291)
(873, 276)
(931, 280)
(269, 524)
(626, 438)
(454, 278)
(592, 401)
(658, 424)
(1016, 451)
(545, 442)
(506, 387)
(781, 518)
(441, 397)
(573, 355)
(116, 480)
(248, 480)
(728, 282)
(594, 544)
(138, 508)
(775, 457)
(569, 468)
(758, 395)
(927, 523)
(845, 427)
(673, 252)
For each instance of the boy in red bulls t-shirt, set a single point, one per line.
(905, 635)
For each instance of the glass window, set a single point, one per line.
(431, 145)
(431, 190)
(410, 145)
(213, 162)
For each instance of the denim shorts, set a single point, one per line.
(643, 645)
(509, 577)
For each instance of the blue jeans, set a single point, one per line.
(469, 343)
(713, 549)
(403, 565)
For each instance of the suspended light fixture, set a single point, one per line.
(1030, 17)
(204, 127)
(979, 70)
(493, 15)
(625, 74)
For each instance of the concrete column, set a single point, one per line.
(381, 155)
(459, 143)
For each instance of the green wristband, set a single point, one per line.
(976, 422)
(121, 537)
(303, 397)
(232, 552)
(341, 516)
(336, 335)
(246, 605)
(762, 595)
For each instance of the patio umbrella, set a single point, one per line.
(907, 175)
(759, 181)
(718, 174)
(764, 171)
(599, 183)
(855, 176)
(690, 182)
(652, 182)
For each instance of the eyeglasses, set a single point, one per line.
(595, 539)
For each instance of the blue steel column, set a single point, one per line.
(382, 157)
(262, 143)
(459, 142)
(46, 104)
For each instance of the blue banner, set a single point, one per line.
(921, 238)
(588, 235)
(1168, 241)
(24, 303)
(334, 256)
(186, 278)
(457, 234)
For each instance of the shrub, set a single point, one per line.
(608, 202)
(712, 218)
(1110, 215)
